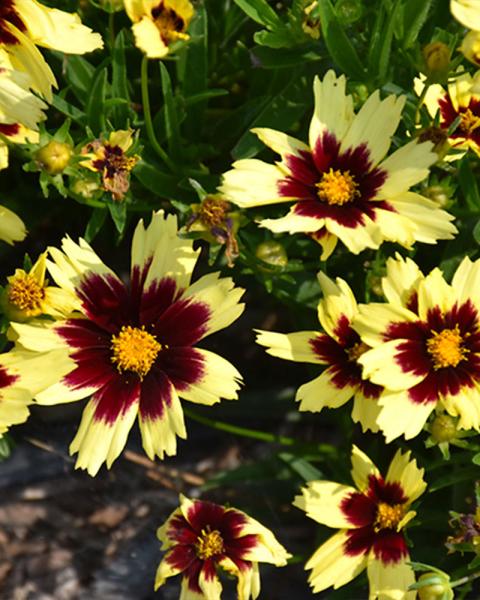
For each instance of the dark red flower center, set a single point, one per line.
(8, 129)
(9, 16)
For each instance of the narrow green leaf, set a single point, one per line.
(338, 43)
(468, 184)
(261, 12)
(159, 183)
(79, 73)
(301, 466)
(69, 110)
(120, 81)
(95, 223)
(96, 102)
(170, 114)
(414, 18)
(386, 45)
(118, 212)
(6, 445)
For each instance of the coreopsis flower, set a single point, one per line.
(26, 24)
(111, 159)
(467, 12)
(201, 538)
(343, 187)
(370, 518)
(214, 216)
(340, 348)
(12, 228)
(159, 23)
(22, 375)
(425, 348)
(460, 101)
(133, 344)
(28, 295)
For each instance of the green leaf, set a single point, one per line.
(270, 58)
(261, 12)
(386, 44)
(95, 223)
(79, 73)
(5, 447)
(414, 18)
(301, 466)
(468, 184)
(118, 212)
(457, 476)
(161, 184)
(120, 81)
(280, 38)
(170, 114)
(338, 43)
(69, 110)
(96, 102)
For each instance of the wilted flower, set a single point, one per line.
(133, 345)
(342, 186)
(426, 347)
(201, 537)
(111, 159)
(370, 519)
(159, 23)
(214, 216)
(339, 348)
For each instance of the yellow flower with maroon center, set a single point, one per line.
(425, 347)
(202, 539)
(133, 346)
(459, 102)
(339, 348)
(370, 517)
(342, 184)
(159, 23)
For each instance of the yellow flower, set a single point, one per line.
(134, 345)
(425, 347)
(159, 23)
(370, 518)
(467, 12)
(339, 347)
(12, 228)
(22, 375)
(110, 159)
(26, 24)
(28, 295)
(342, 185)
(201, 537)
(460, 101)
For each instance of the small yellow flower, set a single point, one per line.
(28, 295)
(159, 23)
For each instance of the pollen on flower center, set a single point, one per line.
(134, 349)
(169, 23)
(469, 122)
(446, 349)
(337, 187)
(388, 516)
(213, 211)
(25, 292)
(209, 543)
(356, 351)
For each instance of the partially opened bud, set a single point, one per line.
(272, 253)
(437, 587)
(437, 61)
(443, 428)
(54, 157)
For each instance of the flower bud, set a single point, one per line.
(54, 157)
(470, 47)
(272, 253)
(443, 428)
(348, 11)
(437, 61)
(85, 188)
(437, 587)
(438, 194)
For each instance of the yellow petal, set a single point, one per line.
(12, 228)
(321, 393)
(400, 416)
(390, 582)
(401, 280)
(290, 346)
(321, 500)
(362, 468)
(148, 38)
(467, 12)
(405, 472)
(365, 411)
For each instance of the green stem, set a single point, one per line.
(420, 101)
(465, 579)
(148, 117)
(253, 433)
(111, 28)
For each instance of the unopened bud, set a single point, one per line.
(348, 11)
(443, 428)
(437, 61)
(470, 47)
(437, 587)
(54, 157)
(272, 253)
(85, 188)
(438, 194)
